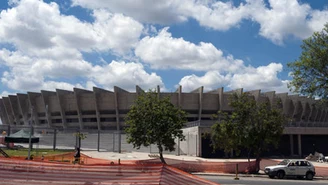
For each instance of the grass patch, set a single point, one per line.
(23, 152)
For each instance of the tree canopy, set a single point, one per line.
(154, 120)
(310, 71)
(251, 125)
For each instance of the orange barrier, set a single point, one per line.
(42, 173)
(187, 166)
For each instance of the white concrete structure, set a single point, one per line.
(101, 109)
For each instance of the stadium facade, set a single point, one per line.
(101, 109)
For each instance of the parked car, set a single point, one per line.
(296, 168)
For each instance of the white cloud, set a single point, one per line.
(33, 74)
(147, 11)
(48, 48)
(52, 85)
(218, 15)
(278, 20)
(49, 45)
(282, 19)
(38, 28)
(317, 19)
(25, 68)
(4, 94)
(163, 51)
(262, 77)
(210, 81)
(124, 75)
(116, 31)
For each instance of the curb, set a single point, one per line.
(246, 175)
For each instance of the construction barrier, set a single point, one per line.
(17, 171)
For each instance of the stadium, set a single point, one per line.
(103, 110)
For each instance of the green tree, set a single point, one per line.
(251, 125)
(310, 71)
(154, 120)
(79, 136)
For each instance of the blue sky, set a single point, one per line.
(61, 44)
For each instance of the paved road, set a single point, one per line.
(225, 180)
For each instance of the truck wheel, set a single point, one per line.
(309, 175)
(280, 174)
(271, 176)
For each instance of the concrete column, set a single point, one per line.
(139, 90)
(14, 108)
(55, 139)
(299, 138)
(255, 93)
(158, 91)
(199, 134)
(45, 96)
(284, 103)
(78, 109)
(61, 93)
(33, 107)
(116, 90)
(201, 89)
(3, 113)
(117, 108)
(316, 116)
(325, 117)
(271, 95)
(95, 92)
(322, 114)
(220, 91)
(179, 96)
(291, 140)
(312, 113)
(8, 110)
(23, 106)
(98, 141)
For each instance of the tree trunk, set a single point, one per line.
(257, 163)
(249, 156)
(249, 161)
(160, 149)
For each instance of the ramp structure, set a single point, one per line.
(4, 153)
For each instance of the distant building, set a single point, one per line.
(101, 109)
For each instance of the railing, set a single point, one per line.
(289, 124)
(307, 124)
(192, 124)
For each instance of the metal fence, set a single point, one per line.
(106, 140)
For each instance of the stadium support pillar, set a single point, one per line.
(201, 89)
(179, 95)
(299, 138)
(98, 141)
(78, 109)
(55, 137)
(291, 141)
(117, 117)
(8, 130)
(95, 94)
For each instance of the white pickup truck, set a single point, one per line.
(296, 168)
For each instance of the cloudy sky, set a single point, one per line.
(63, 44)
